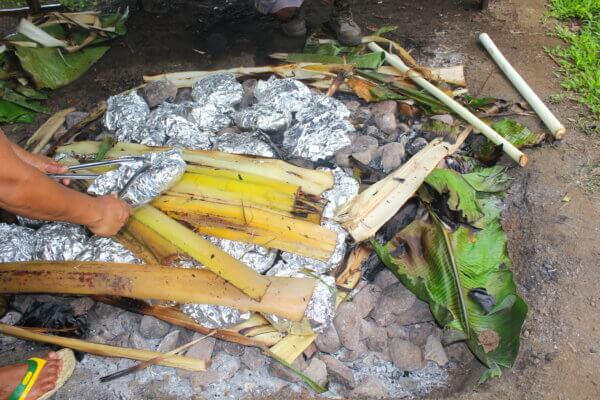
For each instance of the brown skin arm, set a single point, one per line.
(26, 190)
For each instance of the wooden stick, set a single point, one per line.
(187, 363)
(286, 297)
(467, 115)
(556, 128)
(46, 132)
(153, 361)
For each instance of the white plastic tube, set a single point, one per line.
(395, 61)
(553, 124)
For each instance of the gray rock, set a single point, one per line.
(366, 299)
(419, 312)
(391, 155)
(74, 118)
(225, 364)
(420, 332)
(375, 337)
(310, 351)
(403, 128)
(406, 355)
(82, 305)
(329, 341)
(347, 324)
(152, 328)
(253, 358)
(121, 340)
(385, 107)
(184, 94)
(278, 370)
(21, 302)
(347, 355)
(396, 330)
(342, 157)
(370, 388)
(459, 352)
(362, 115)
(317, 371)
(11, 318)
(169, 342)
(199, 380)
(416, 145)
(234, 349)
(385, 278)
(363, 148)
(248, 98)
(434, 351)
(386, 122)
(352, 105)
(157, 92)
(363, 157)
(339, 372)
(137, 341)
(203, 349)
(395, 299)
(445, 118)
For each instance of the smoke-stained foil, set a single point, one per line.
(161, 171)
(220, 89)
(283, 94)
(214, 317)
(104, 249)
(256, 257)
(321, 307)
(243, 143)
(125, 116)
(17, 243)
(60, 241)
(263, 117)
(344, 189)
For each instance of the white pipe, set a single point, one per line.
(453, 105)
(557, 129)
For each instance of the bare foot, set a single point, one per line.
(11, 375)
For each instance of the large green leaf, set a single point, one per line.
(13, 113)
(52, 69)
(517, 134)
(462, 197)
(464, 276)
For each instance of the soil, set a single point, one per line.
(553, 242)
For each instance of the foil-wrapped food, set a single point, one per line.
(103, 249)
(220, 89)
(283, 94)
(243, 143)
(126, 115)
(344, 189)
(59, 241)
(263, 117)
(17, 243)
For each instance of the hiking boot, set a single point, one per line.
(347, 31)
(295, 27)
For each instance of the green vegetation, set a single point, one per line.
(579, 62)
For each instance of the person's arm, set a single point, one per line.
(26, 191)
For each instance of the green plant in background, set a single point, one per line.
(579, 61)
(79, 5)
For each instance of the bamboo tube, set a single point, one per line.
(553, 124)
(468, 116)
(286, 297)
(209, 255)
(187, 363)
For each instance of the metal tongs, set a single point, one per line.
(94, 164)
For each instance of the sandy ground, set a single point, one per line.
(554, 244)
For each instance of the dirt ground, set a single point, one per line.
(554, 244)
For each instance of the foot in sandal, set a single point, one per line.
(37, 377)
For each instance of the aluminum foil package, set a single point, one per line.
(263, 117)
(214, 317)
(321, 307)
(344, 189)
(318, 138)
(60, 241)
(220, 89)
(283, 94)
(104, 249)
(209, 118)
(31, 223)
(125, 116)
(256, 257)
(321, 104)
(17, 243)
(155, 174)
(243, 143)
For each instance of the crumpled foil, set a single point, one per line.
(17, 243)
(209, 118)
(60, 241)
(31, 223)
(214, 317)
(321, 130)
(220, 89)
(321, 307)
(243, 143)
(105, 249)
(165, 170)
(344, 189)
(125, 116)
(283, 94)
(263, 117)
(256, 257)
(183, 133)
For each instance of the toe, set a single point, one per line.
(51, 356)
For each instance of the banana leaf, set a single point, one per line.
(517, 134)
(464, 276)
(50, 68)
(364, 61)
(20, 100)
(13, 113)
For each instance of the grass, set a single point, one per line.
(579, 59)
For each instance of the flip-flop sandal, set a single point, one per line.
(35, 367)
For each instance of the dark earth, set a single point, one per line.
(553, 242)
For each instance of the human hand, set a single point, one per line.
(42, 163)
(112, 214)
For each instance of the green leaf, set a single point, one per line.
(477, 103)
(20, 100)
(13, 113)
(385, 29)
(364, 61)
(492, 180)
(52, 69)
(31, 93)
(312, 384)
(516, 133)
(462, 196)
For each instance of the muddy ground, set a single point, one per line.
(554, 244)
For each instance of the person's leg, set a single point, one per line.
(11, 376)
(347, 31)
(288, 12)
